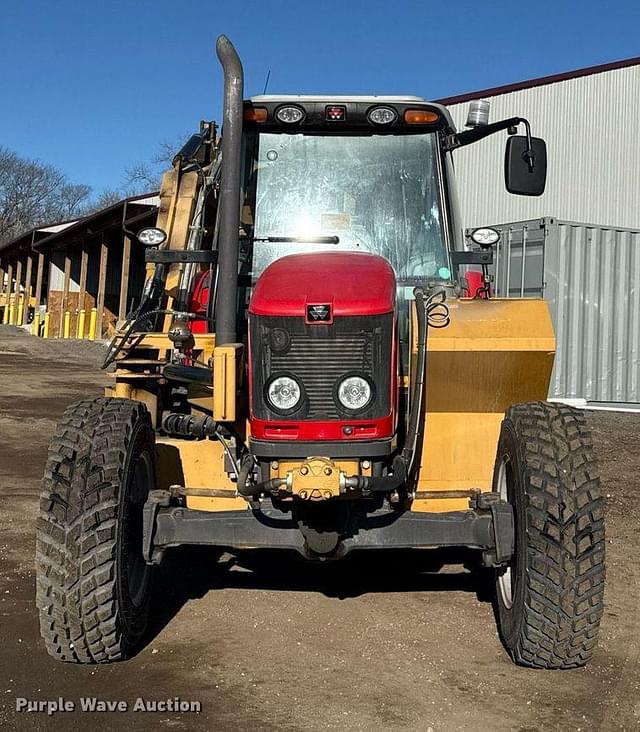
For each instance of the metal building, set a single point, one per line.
(589, 119)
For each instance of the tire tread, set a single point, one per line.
(564, 590)
(77, 530)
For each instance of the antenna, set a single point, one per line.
(266, 83)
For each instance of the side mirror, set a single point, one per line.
(525, 168)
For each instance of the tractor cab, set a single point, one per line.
(347, 174)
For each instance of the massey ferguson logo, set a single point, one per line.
(318, 313)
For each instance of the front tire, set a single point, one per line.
(549, 600)
(93, 586)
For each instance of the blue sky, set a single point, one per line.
(93, 86)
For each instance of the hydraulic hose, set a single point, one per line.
(416, 421)
(119, 340)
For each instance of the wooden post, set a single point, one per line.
(16, 294)
(7, 295)
(124, 278)
(2, 272)
(65, 293)
(39, 279)
(102, 282)
(84, 264)
(18, 280)
(27, 291)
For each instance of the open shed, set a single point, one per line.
(93, 262)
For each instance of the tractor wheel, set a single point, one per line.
(93, 585)
(549, 600)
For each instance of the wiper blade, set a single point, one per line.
(298, 239)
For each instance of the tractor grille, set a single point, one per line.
(319, 356)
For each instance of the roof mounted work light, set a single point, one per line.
(290, 115)
(382, 115)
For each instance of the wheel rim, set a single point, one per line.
(137, 568)
(505, 578)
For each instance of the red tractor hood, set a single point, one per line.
(351, 283)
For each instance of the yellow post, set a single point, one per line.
(67, 324)
(35, 329)
(20, 310)
(45, 330)
(12, 313)
(81, 318)
(5, 312)
(92, 324)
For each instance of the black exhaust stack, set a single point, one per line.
(229, 206)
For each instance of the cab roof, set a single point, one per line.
(342, 99)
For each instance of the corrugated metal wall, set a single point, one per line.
(590, 275)
(592, 129)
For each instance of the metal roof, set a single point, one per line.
(40, 235)
(58, 227)
(541, 81)
(27, 238)
(99, 221)
(149, 200)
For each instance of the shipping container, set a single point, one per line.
(590, 276)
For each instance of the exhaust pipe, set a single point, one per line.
(229, 206)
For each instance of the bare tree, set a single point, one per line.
(73, 199)
(107, 197)
(142, 177)
(145, 176)
(33, 193)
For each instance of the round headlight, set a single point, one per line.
(382, 115)
(151, 237)
(284, 393)
(289, 115)
(354, 393)
(485, 237)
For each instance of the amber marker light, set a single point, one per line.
(420, 116)
(255, 114)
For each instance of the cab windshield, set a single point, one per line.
(375, 193)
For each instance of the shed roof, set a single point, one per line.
(27, 239)
(540, 81)
(125, 212)
(63, 233)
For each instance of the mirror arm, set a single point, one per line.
(467, 137)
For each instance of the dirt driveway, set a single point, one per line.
(268, 642)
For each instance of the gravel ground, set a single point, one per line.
(268, 642)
